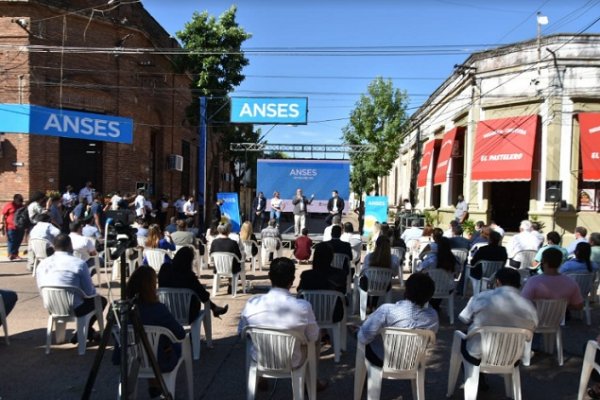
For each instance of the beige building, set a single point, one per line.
(517, 131)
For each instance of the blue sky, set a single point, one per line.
(333, 84)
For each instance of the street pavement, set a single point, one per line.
(26, 372)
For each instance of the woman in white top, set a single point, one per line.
(276, 207)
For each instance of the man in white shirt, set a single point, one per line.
(139, 204)
(580, 234)
(336, 220)
(462, 209)
(63, 269)
(43, 229)
(524, 240)
(114, 200)
(503, 306)
(87, 192)
(279, 309)
(412, 233)
(179, 207)
(189, 207)
(69, 198)
(81, 244)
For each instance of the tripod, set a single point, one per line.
(128, 312)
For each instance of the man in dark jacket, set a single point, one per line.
(259, 205)
(335, 206)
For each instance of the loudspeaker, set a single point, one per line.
(553, 194)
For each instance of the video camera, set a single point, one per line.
(119, 234)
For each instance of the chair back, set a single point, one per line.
(178, 302)
(339, 260)
(155, 257)
(81, 254)
(398, 252)
(444, 282)
(223, 262)
(550, 313)
(412, 245)
(474, 249)
(274, 348)
(525, 257)
(323, 304)
(379, 280)
(461, 256)
(270, 243)
(489, 268)
(405, 349)
(58, 300)
(39, 247)
(136, 349)
(356, 246)
(248, 247)
(501, 347)
(585, 281)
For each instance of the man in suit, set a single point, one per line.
(300, 203)
(216, 212)
(259, 205)
(335, 206)
(222, 243)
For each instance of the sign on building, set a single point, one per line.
(269, 110)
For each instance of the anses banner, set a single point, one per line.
(376, 210)
(318, 177)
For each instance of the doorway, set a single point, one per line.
(80, 161)
(509, 204)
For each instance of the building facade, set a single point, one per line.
(514, 130)
(58, 54)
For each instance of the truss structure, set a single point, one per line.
(302, 148)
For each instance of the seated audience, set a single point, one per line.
(222, 243)
(156, 240)
(182, 237)
(524, 240)
(172, 227)
(303, 246)
(553, 240)
(476, 237)
(580, 234)
(582, 262)
(412, 233)
(10, 299)
(340, 247)
(246, 234)
(595, 243)
(410, 313)
(335, 220)
(457, 240)
(494, 251)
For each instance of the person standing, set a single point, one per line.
(179, 207)
(97, 211)
(335, 206)
(217, 213)
(462, 210)
(140, 204)
(276, 207)
(189, 208)
(8, 227)
(300, 203)
(259, 206)
(87, 192)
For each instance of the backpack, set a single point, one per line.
(22, 220)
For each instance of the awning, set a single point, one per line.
(589, 124)
(441, 169)
(428, 149)
(504, 149)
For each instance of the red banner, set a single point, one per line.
(428, 149)
(504, 149)
(441, 169)
(589, 124)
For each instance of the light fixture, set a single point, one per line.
(542, 19)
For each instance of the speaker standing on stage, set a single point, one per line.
(300, 203)
(259, 205)
(276, 207)
(217, 213)
(335, 206)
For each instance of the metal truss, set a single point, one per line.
(302, 148)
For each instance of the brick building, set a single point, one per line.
(46, 60)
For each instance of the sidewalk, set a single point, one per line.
(27, 373)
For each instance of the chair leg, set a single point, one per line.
(49, 334)
(559, 347)
(588, 366)
(298, 383)
(420, 383)
(451, 309)
(374, 377)
(508, 385)
(82, 329)
(526, 359)
(195, 339)
(471, 381)
(516, 381)
(588, 313)
(207, 322)
(234, 282)
(59, 331)
(344, 331)
(252, 375)
(363, 305)
(215, 284)
(360, 372)
(455, 361)
(337, 342)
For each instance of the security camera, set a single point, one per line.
(22, 22)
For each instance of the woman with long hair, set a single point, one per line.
(142, 287)
(181, 275)
(156, 240)
(247, 234)
(582, 262)
(375, 233)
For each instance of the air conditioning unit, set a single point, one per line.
(175, 163)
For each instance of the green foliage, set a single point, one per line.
(536, 218)
(468, 226)
(379, 120)
(431, 218)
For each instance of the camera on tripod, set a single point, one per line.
(119, 234)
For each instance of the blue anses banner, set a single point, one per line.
(27, 118)
(376, 210)
(230, 209)
(318, 177)
(269, 110)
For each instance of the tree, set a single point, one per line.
(215, 60)
(379, 120)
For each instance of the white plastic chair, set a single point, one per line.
(178, 301)
(132, 264)
(323, 304)
(404, 358)
(269, 246)
(488, 272)
(399, 252)
(461, 256)
(379, 281)
(39, 248)
(585, 281)
(474, 249)
(444, 288)
(84, 256)
(3, 320)
(273, 353)
(525, 257)
(224, 269)
(136, 352)
(589, 364)
(411, 248)
(155, 257)
(255, 260)
(551, 314)
(501, 349)
(58, 300)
